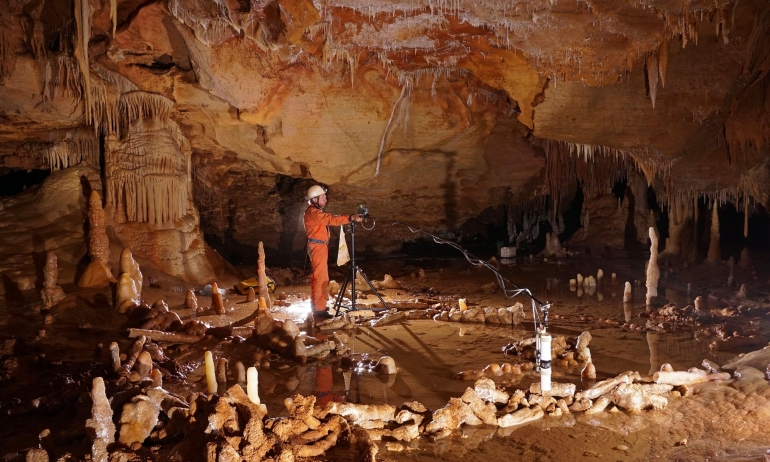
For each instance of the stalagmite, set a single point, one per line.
(262, 276)
(127, 294)
(143, 364)
(252, 385)
(745, 217)
(581, 348)
(240, 371)
(211, 379)
(98, 272)
(251, 297)
(216, 299)
(579, 279)
(599, 276)
(627, 293)
(190, 301)
(745, 260)
(698, 302)
(115, 356)
(221, 371)
(129, 266)
(653, 273)
(100, 427)
(715, 251)
(157, 378)
(51, 293)
(614, 279)
(588, 372)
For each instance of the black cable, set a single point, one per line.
(537, 305)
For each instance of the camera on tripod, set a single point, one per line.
(363, 211)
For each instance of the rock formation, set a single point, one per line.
(405, 91)
(98, 272)
(51, 293)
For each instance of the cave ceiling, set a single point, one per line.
(426, 109)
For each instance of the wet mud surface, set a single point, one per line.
(55, 354)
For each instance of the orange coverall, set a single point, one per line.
(317, 224)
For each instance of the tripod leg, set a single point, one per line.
(340, 294)
(372, 287)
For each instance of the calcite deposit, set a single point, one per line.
(551, 138)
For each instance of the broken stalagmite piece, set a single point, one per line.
(211, 379)
(216, 299)
(252, 385)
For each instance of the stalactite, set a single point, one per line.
(745, 216)
(114, 15)
(147, 168)
(83, 25)
(139, 104)
(715, 252)
(663, 62)
(5, 53)
(652, 76)
(392, 121)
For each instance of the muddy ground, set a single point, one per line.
(51, 356)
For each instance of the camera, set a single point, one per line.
(363, 211)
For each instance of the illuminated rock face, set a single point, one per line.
(427, 112)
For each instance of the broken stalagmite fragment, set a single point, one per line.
(216, 299)
(211, 379)
(252, 385)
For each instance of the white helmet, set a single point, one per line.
(315, 191)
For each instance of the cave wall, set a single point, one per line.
(426, 113)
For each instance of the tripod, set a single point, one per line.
(351, 278)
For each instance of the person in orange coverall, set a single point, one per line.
(317, 224)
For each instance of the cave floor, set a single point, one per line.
(46, 384)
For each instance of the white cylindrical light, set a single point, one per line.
(545, 361)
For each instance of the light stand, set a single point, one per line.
(351, 278)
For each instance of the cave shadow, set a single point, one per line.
(450, 190)
(629, 233)
(86, 188)
(38, 259)
(13, 295)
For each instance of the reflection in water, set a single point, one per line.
(652, 343)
